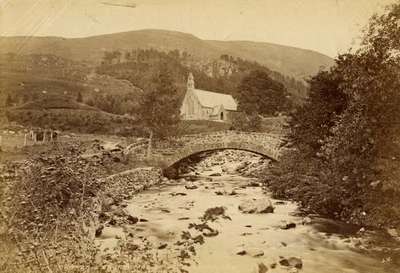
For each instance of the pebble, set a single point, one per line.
(241, 252)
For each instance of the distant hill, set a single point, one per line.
(28, 78)
(290, 61)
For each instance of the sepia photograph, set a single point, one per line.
(187, 136)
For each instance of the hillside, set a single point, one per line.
(219, 75)
(26, 78)
(64, 114)
(289, 61)
(55, 102)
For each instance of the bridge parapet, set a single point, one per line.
(231, 136)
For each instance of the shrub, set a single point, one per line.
(48, 214)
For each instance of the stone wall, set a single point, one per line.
(125, 184)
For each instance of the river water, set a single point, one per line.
(244, 242)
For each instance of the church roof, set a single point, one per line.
(212, 99)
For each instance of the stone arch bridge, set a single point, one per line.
(169, 153)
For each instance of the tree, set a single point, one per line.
(247, 123)
(312, 121)
(159, 106)
(258, 93)
(346, 134)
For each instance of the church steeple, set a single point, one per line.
(190, 82)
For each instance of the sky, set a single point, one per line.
(326, 26)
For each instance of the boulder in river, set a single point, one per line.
(255, 252)
(210, 233)
(182, 180)
(262, 268)
(227, 191)
(212, 214)
(292, 262)
(162, 245)
(394, 233)
(99, 231)
(178, 194)
(132, 219)
(164, 179)
(191, 186)
(288, 225)
(306, 221)
(199, 239)
(241, 251)
(263, 205)
(241, 166)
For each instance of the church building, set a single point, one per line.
(206, 105)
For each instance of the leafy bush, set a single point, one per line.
(48, 214)
(53, 208)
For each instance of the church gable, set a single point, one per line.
(191, 107)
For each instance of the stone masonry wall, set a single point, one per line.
(125, 184)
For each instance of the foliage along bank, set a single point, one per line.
(345, 139)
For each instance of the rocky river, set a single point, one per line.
(216, 218)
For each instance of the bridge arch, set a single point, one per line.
(267, 145)
(189, 151)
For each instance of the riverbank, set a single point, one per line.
(375, 209)
(54, 204)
